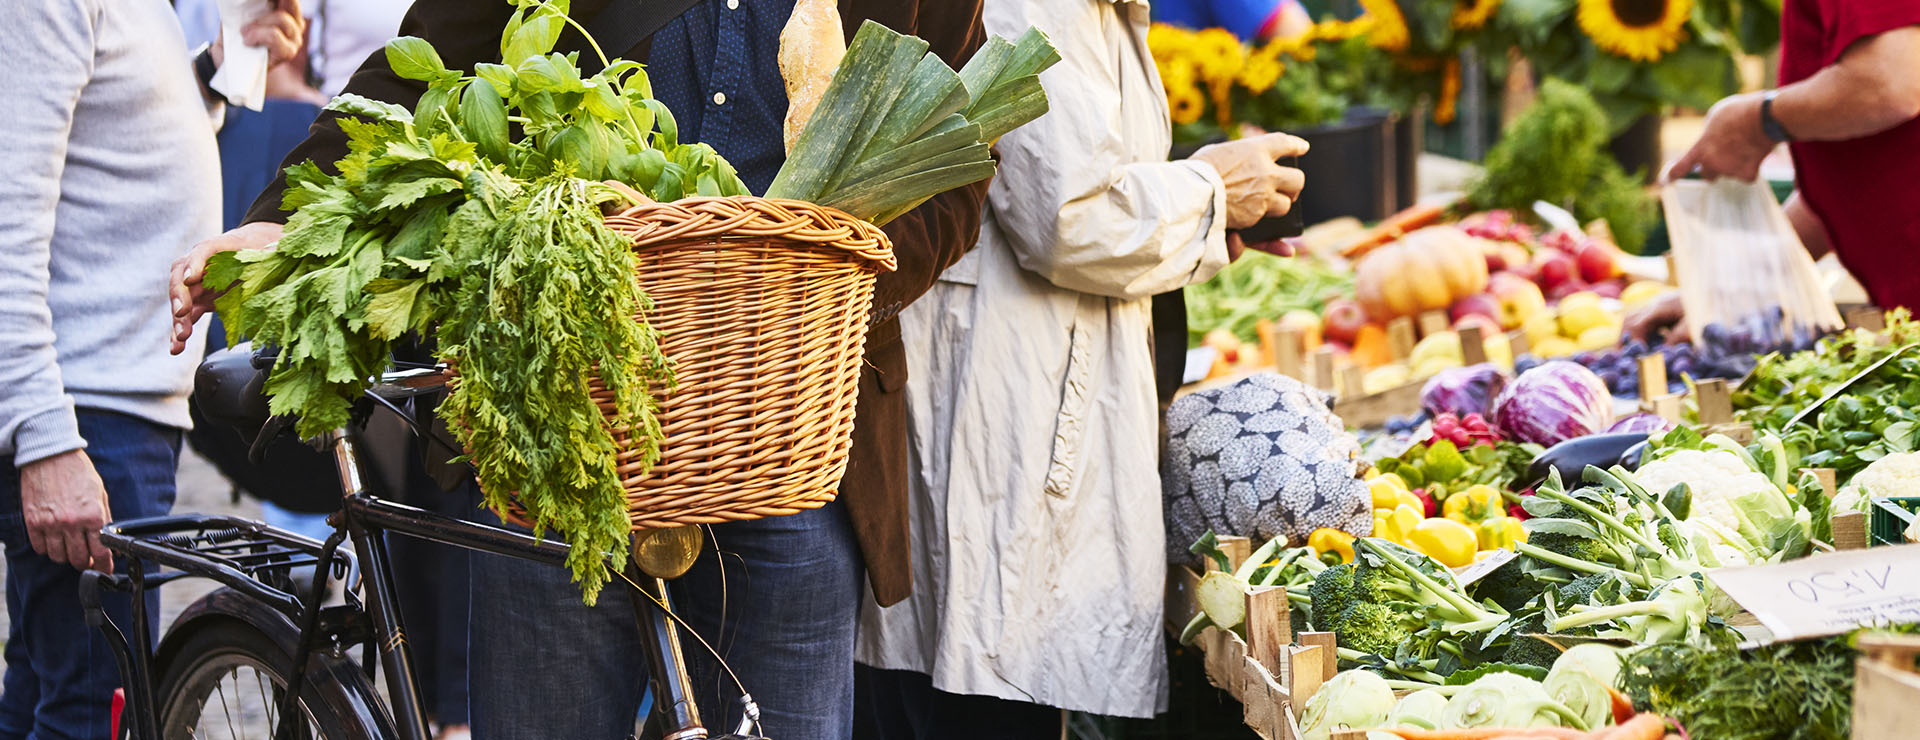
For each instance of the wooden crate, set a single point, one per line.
(1886, 690)
(1271, 672)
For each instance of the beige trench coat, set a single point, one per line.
(1038, 556)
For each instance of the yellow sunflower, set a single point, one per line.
(1473, 14)
(1389, 30)
(1185, 104)
(1641, 30)
(1263, 67)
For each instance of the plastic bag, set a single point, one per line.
(1746, 281)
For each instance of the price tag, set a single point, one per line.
(1486, 565)
(1830, 593)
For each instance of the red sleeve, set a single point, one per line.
(1849, 21)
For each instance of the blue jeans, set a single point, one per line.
(60, 673)
(779, 598)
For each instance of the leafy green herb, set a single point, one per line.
(1556, 152)
(438, 220)
(1785, 691)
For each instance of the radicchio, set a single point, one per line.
(1553, 403)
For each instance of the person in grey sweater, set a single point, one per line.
(108, 171)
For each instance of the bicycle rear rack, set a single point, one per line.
(247, 556)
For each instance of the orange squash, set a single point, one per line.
(1427, 270)
(1370, 347)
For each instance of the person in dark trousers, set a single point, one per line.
(780, 597)
(110, 172)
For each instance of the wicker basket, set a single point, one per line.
(763, 308)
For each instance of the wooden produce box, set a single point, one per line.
(1886, 690)
(1273, 671)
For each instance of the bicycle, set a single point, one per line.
(253, 632)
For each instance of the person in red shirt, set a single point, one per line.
(1849, 107)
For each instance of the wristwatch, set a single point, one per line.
(204, 68)
(1770, 125)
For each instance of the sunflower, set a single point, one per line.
(1445, 109)
(1472, 14)
(1389, 25)
(1641, 30)
(1263, 68)
(1185, 105)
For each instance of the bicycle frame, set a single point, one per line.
(368, 519)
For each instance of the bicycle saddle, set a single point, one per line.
(228, 388)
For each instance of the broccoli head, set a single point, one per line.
(1372, 627)
(1332, 591)
(1577, 547)
(1511, 585)
(1523, 650)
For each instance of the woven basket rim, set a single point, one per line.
(707, 218)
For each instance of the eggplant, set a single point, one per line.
(1572, 456)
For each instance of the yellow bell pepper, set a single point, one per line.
(1389, 491)
(1500, 531)
(1396, 523)
(1329, 540)
(1445, 540)
(1475, 505)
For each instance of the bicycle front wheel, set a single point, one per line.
(227, 680)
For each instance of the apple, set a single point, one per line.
(1597, 262)
(1496, 257)
(1608, 288)
(1342, 319)
(1478, 304)
(1566, 288)
(1518, 298)
(1488, 325)
(1556, 270)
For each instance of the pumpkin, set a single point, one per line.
(1427, 270)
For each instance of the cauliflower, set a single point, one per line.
(1897, 474)
(1740, 512)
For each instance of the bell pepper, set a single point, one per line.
(1388, 491)
(1500, 531)
(1396, 523)
(1428, 506)
(1329, 540)
(1476, 504)
(1445, 540)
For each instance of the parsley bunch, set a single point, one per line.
(441, 219)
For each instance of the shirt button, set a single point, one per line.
(719, 98)
(733, 4)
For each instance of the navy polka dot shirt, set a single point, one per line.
(717, 68)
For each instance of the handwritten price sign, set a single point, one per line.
(1830, 593)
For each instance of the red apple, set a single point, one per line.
(1478, 304)
(1597, 262)
(1488, 326)
(1344, 317)
(1567, 288)
(1518, 298)
(1556, 270)
(1496, 260)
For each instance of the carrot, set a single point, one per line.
(1393, 227)
(1641, 727)
(1622, 706)
(1491, 733)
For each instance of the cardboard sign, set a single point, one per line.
(1830, 593)
(1486, 565)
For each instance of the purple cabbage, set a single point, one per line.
(1648, 423)
(1464, 390)
(1552, 403)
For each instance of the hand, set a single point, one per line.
(282, 31)
(1237, 246)
(192, 299)
(1733, 144)
(65, 505)
(1257, 186)
(1663, 314)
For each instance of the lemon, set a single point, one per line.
(1578, 319)
(1553, 347)
(1598, 337)
(1638, 294)
(1577, 300)
(1540, 326)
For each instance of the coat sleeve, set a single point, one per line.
(930, 238)
(50, 47)
(465, 33)
(1072, 201)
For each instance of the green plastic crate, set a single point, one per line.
(1890, 518)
